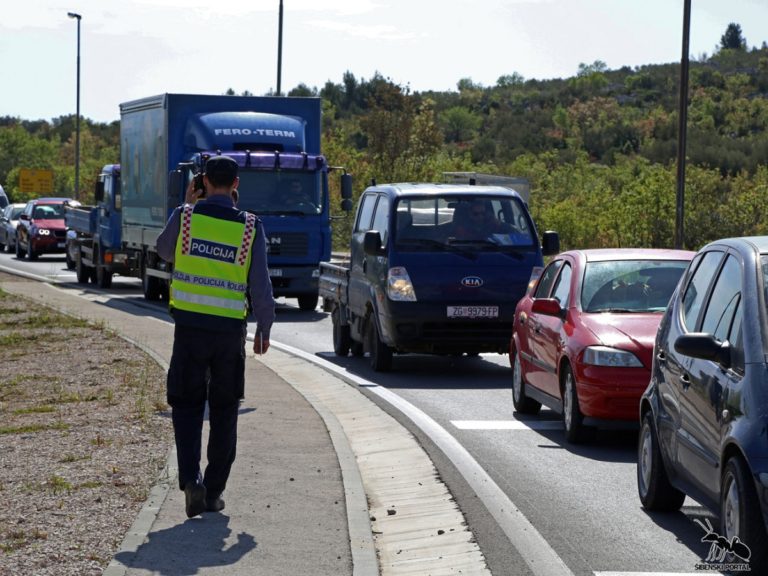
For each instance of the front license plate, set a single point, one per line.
(60, 245)
(473, 311)
(275, 272)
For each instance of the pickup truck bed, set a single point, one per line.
(334, 279)
(81, 219)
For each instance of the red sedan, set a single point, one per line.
(583, 334)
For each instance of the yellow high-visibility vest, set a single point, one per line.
(213, 256)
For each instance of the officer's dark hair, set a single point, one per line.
(221, 171)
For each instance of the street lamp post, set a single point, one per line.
(682, 131)
(279, 47)
(77, 119)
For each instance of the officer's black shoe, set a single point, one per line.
(194, 494)
(214, 504)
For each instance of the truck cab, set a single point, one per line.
(438, 268)
(288, 190)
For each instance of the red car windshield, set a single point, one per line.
(48, 212)
(630, 285)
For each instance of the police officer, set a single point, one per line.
(220, 260)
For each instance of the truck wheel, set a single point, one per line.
(380, 354)
(341, 339)
(82, 271)
(68, 257)
(357, 348)
(31, 253)
(103, 275)
(19, 252)
(151, 286)
(307, 302)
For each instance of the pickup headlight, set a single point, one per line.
(399, 285)
(605, 356)
(43, 232)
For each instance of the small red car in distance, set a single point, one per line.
(583, 335)
(41, 227)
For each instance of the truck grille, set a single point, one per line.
(287, 244)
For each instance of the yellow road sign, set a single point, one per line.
(33, 181)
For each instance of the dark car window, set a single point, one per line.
(693, 299)
(366, 211)
(724, 300)
(381, 218)
(547, 279)
(563, 286)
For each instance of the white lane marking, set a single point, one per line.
(540, 557)
(507, 425)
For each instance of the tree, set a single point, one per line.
(508, 80)
(733, 39)
(460, 124)
(302, 90)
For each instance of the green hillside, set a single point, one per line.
(599, 148)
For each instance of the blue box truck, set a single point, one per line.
(165, 140)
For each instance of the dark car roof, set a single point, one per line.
(752, 243)
(607, 254)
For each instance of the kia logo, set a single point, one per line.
(472, 282)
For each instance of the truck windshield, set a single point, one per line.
(284, 192)
(478, 223)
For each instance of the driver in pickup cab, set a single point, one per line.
(220, 259)
(475, 221)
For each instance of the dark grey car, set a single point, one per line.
(9, 218)
(704, 416)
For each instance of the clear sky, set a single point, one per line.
(136, 48)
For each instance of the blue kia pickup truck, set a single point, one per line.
(434, 268)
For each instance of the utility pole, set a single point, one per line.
(280, 47)
(77, 120)
(682, 131)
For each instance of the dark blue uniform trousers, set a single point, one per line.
(206, 366)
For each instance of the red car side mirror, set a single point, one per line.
(548, 306)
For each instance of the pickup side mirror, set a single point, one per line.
(551, 243)
(346, 192)
(705, 347)
(99, 192)
(548, 307)
(372, 243)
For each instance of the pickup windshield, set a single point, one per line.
(468, 223)
(284, 192)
